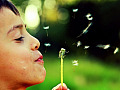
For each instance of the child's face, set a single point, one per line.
(18, 55)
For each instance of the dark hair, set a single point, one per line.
(9, 5)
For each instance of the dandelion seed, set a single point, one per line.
(78, 43)
(103, 46)
(116, 50)
(106, 46)
(75, 62)
(89, 16)
(86, 47)
(85, 30)
(75, 10)
(47, 44)
(46, 29)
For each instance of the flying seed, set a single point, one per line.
(85, 30)
(47, 44)
(78, 43)
(86, 47)
(103, 46)
(75, 62)
(116, 50)
(75, 10)
(89, 16)
(47, 27)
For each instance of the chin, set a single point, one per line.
(40, 79)
(35, 82)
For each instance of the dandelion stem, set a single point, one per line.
(61, 70)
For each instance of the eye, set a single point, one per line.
(20, 39)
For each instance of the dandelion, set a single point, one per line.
(61, 55)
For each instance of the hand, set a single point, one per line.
(60, 87)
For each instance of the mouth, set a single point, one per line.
(40, 60)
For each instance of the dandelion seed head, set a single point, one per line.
(62, 52)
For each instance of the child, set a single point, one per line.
(21, 64)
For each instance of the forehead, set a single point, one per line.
(8, 19)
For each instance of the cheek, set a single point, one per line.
(18, 63)
(23, 60)
(18, 60)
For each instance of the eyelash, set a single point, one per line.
(20, 39)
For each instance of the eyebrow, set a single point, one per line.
(16, 27)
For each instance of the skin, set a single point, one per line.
(60, 87)
(18, 69)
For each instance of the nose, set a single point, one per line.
(34, 43)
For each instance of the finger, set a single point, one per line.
(64, 87)
(60, 87)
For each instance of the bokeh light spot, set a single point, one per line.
(50, 4)
(31, 16)
(63, 16)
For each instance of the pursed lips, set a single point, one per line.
(40, 60)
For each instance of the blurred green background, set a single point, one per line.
(58, 23)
